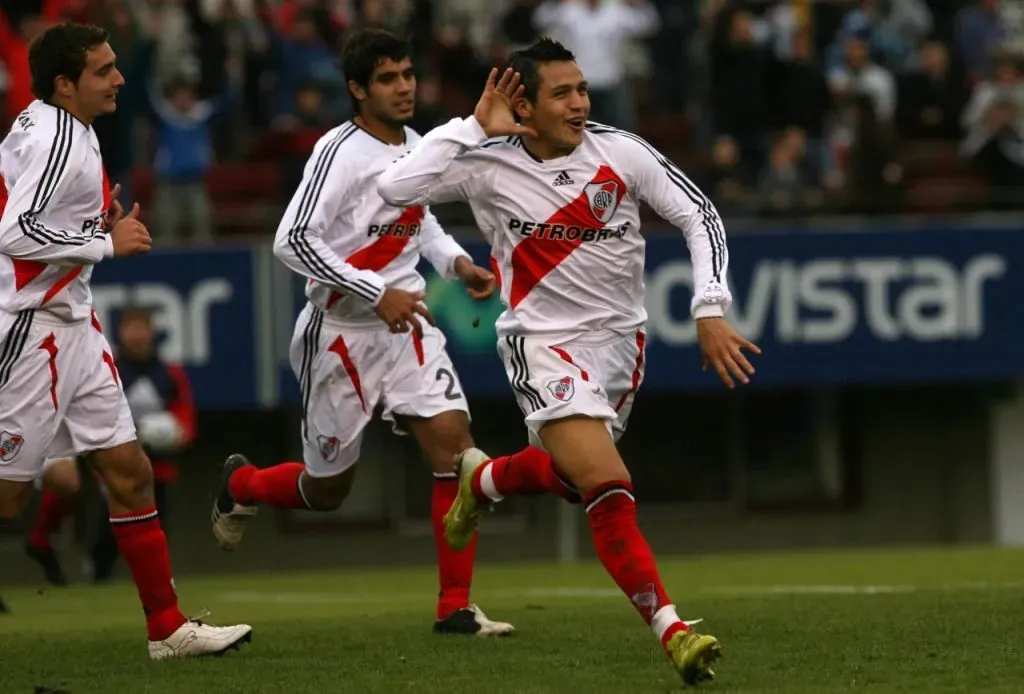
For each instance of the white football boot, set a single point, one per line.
(193, 639)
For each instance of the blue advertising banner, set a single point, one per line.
(861, 307)
(203, 312)
(877, 306)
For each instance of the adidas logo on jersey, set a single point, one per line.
(563, 179)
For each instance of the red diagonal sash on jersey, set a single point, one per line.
(70, 275)
(534, 258)
(379, 254)
(27, 270)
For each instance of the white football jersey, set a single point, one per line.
(565, 233)
(350, 244)
(53, 199)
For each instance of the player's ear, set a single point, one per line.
(357, 91)
(522, 108)
(62, 86)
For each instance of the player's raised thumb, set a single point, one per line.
(134, 214)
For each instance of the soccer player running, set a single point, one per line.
(558, 199)
(364, 338)
(60, 395)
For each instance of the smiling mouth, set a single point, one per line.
(577, 123)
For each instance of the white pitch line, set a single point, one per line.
(738, 591)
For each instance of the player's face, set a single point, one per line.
(96, 91)
(391, 94)
(560, 111)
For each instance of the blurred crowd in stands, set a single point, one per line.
(776, 107)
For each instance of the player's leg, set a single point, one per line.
(32, 400)
(60, 483)
(99, 424)
(424, 398)
(583, 444)
(340, 377)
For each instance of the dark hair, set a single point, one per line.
(367, 49)
(61, 51)
(527, 61)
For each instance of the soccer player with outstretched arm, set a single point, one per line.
(558, 198)
(365, 338)
(60, 394)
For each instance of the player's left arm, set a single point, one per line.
(451, 260)
(663, 186)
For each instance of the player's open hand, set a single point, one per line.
(398, 309)
(494, 110)
(722, 349)
(480, 282)
(116, 211)
(130, 236)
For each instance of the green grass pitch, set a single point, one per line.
(891, 621)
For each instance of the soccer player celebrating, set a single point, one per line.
(60, 395)
(558, 199)
(364, 338)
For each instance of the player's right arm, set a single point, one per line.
(32, 226)
(299, 242)
(434, 171)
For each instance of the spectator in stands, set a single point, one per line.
(738, 76)
(730, 179)
(306, 57)
(995, 147)
(798, 96)
(15, 36)
(874, 173)
(1006, 86)
(183, 158)
(596, 31)
(298, 132)
(931, 99)
(859, 75)
(979, 32)
(893, 29)
(783, 185)
(517, 27)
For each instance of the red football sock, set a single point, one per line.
(143, 545)
(276, 486)
(627, 557)
(529, 472)
(53, 509)
(454, 569)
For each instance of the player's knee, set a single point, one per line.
(62, 477)
(449, 436)
(327, 493)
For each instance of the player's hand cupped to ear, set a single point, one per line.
(722, 349)
(398, 309)
(130, 236)
(480, 282)
(494, 111)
